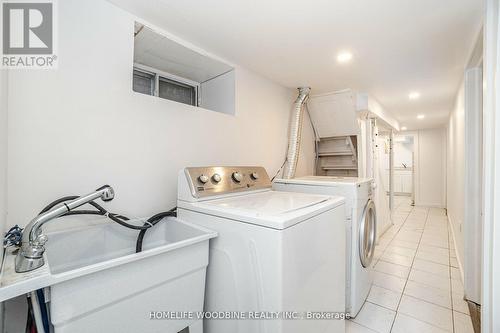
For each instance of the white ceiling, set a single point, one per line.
(398, 45)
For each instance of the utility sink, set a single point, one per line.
(99, 284)
(79, 247)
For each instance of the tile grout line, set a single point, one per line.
(392, 238)
(451, 300)
(397, 307)
(380, 306)
(413, 260)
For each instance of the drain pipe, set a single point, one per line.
(295, 133)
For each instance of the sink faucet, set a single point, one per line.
(30, 255)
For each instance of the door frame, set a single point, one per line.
(491, 170)
(473, 217)
(415, 163)
(384, 212)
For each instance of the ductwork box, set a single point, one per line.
(340, 113)
(342, 121)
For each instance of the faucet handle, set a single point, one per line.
(41, 240)
(108, 193)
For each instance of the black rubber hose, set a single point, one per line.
(153, 220)
(57, 202)
(83, 212)
(142, 233)
(126, 225)
(120, 219)
(68, 198)
(30, 321)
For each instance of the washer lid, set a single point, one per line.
(325, 181)
(273, 209)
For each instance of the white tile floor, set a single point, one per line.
(417, 286)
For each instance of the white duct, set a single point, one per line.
(295, 133)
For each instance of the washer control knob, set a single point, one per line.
(216, 177)
(254, 175)
(203, 179)
(237, 177)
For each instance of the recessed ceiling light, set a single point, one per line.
(404, 128)
(344, 56)
(414, 95)
(420, 116)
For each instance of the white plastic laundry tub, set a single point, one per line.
(106, 287)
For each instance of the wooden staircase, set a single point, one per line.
(337, 156)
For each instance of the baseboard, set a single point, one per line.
(462, 276)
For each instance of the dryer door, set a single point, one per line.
(367, 234)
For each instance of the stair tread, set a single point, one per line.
(337, 167)
(344, 152)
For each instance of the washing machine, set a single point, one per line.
(276, 265)
(361, 228)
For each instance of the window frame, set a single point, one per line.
(169, 77)
(145, 74)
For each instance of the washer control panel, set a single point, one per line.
(207, 181)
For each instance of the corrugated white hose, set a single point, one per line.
(295, 133)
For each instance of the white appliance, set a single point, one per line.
(361, 228)
(278, 255)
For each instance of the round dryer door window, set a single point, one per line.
(367, 234)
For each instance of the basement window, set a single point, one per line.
(166, 69)
(164, 85)
(176, 91)
(144, 82)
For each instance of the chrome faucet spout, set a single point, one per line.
(30, 255)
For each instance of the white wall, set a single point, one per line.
(218, 93)
(456, 172)
(430, 167)
(76, 128)
(3, 163)
(3, 151)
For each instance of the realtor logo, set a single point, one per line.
(28, 35)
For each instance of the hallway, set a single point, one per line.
(417, 286)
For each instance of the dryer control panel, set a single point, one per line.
(210, 181)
